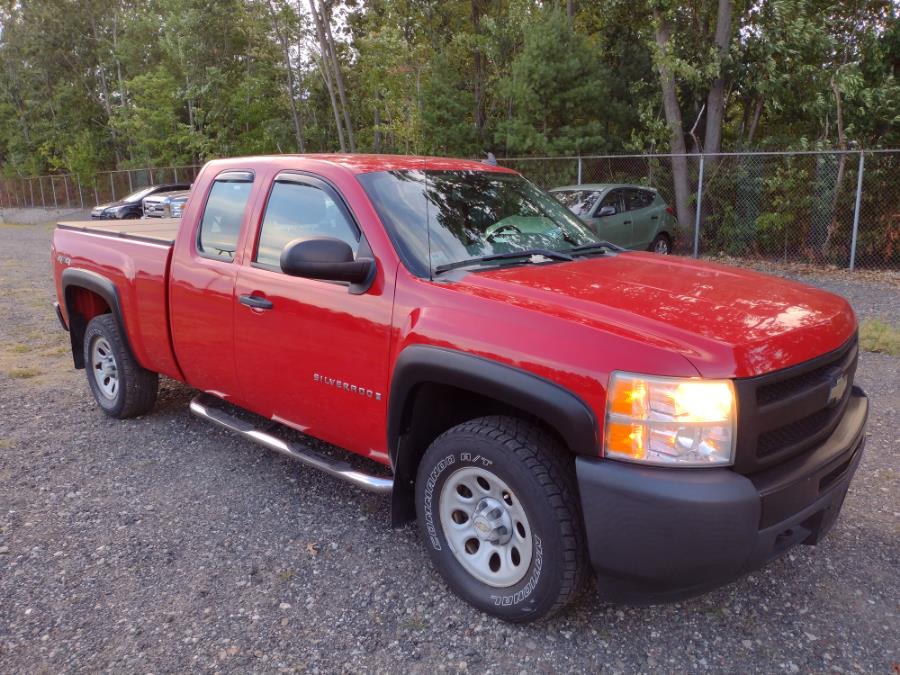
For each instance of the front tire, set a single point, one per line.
(121, 387)
(498, 509)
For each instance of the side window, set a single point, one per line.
(634, 199)
(648, 197)
(222, 216)
(611, 199)
(300, 210)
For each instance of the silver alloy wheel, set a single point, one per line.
(103, 365)
(486, 527)
(662, 246)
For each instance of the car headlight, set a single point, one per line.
(175, 209)
(670, 421)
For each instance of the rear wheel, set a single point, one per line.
(119, 385)
(498, 508)
(662, 244)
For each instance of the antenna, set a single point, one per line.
(427, 218)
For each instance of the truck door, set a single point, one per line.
(201, 291)
(309, 353)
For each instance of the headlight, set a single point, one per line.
(669, 421)
(175, 209)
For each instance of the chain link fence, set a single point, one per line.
(825, 208)
(837, 208)
(65, 191)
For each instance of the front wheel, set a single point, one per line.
(121, 387)
(498, 508)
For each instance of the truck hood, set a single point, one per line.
(727, 321)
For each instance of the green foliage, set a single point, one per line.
(555, 89)
(876, 335)
(100, 84)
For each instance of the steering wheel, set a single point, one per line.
(511, 229)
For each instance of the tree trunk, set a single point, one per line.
(122, 93)
(842, 162)
(570, 10)
(478, 72)
(326, 73)
(325, 17)
(296, 115)
(754, 121)
(715, 101)
(376, 124)
(104, 90)
(676, 130)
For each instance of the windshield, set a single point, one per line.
(469, 214)
(579, 202)
(139, 195)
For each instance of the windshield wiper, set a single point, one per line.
(595, 246)
(526, 253)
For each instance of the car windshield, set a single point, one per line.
(579, 202)
(139, 195)
(465, 215)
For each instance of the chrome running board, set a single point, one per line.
(205, 406)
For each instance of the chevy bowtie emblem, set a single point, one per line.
(838, 387)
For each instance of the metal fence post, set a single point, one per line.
(112, 186)
(859, 180)
(80, 193)
(579, 169)
(698, 209)
(41, 186)
(130, 186)
(31, 190)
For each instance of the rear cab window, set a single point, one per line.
(301, 207)
(220, 226)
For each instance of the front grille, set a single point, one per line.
(785, 413)
(154, 209)
(789, 435)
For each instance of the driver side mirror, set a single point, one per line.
(606, 211)
(328, 259)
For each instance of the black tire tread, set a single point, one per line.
(141, 385)
(661, 235)
(553, 468)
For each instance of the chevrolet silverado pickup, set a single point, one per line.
(545, 404)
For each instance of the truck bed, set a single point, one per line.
(156, 231)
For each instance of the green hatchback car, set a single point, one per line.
(631, 216)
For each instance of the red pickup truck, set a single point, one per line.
(547, 403)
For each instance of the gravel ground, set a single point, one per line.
(163, 544)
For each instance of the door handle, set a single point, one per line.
(627, 222)
(654, 217)
(255, 302)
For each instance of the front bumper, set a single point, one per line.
(657, 534)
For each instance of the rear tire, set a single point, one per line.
(121, 387)
(662, 244)
(498, 509)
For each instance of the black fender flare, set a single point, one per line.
(74, 277)
(568, 414)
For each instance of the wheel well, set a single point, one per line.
(430, 410)
(82, 305)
